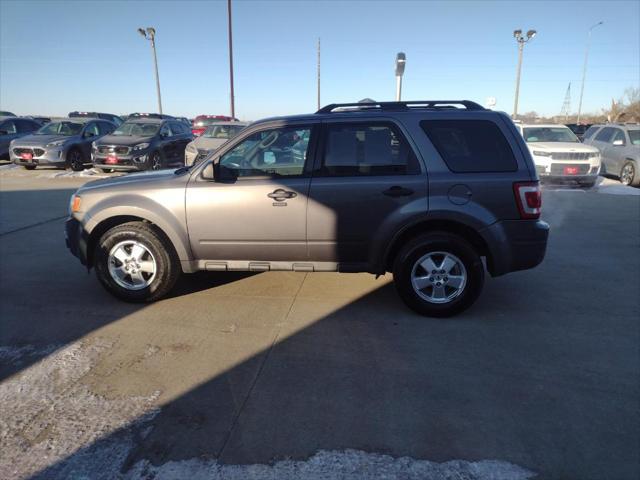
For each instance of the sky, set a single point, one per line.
(58, 56)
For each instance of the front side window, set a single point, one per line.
(618, 135)
(367, 149)
(91, 130)
(604, 135)
(8, 128)
(549, 134)
(590, 132)
(468, 146)
(279, 152)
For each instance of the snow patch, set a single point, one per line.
(614, 187)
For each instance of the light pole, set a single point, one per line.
(584, 68)
(521, 39)
(233, 107)
(150, 34)
(401, 60)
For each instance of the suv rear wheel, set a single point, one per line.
(629, 175)
(136, 263)
(438, 274)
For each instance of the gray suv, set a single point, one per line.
(619, 146)
(425, 190)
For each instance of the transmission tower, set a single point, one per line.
(566, 105)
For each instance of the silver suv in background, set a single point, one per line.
(61, 143)
(619, 146)
(216, 135)
(424, 189)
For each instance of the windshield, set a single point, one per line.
(634, 136)
(137, 129)
(222, 131)
(67, 129)
(549, 134)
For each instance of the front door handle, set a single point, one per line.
(397, 191)
(280, 194)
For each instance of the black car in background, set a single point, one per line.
(142, 144)
(578, 129)
(103, 116)
(12, 127)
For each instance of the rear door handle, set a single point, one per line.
(397, 191)
(280, 194)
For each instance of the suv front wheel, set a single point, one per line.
(438, 274)
(136, 263)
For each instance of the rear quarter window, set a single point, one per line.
(471, 146)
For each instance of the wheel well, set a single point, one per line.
(468, 233)
(109, 223)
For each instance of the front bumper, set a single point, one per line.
(515, 245)
(132, 162)
(553, 171)
(76, 239)
(53, 156)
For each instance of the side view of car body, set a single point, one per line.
(115, 119)
(619, 145)
(142, 144)
(559, 156)
(61, 143)
(420, 189)
(216, 135)
(12, 128)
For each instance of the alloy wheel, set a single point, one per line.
(438, 277)
(132, 265)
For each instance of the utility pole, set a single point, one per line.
(150, 34)
(521, 39)
(318, 73)
(233, 108)
(401, 61)
(584, 68)
(566, 105)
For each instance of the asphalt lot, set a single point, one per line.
(320, 374)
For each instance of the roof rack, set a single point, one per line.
(431, 104)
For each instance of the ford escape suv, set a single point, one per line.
(425, 190)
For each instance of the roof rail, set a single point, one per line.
(432, 104)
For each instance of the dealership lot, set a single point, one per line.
(539, 377)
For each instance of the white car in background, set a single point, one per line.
(559, 156)
(216, 135)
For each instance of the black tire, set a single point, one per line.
(75, 160)
(452, 244)
(629, 175)
(590, 184)
(155, 161)
(29, 167)
(167, 264)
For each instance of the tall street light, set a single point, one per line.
(401, 60)
(233, 108)
(521, 39)
(584, 68)
(150, 34)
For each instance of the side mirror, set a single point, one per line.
(618, 143)
(208, 172)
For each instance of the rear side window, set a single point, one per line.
(367, 149)
(604, 135)
(590, 132)
(469, 146)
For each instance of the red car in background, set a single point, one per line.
(201, 122)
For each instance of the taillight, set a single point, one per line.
(528, 198)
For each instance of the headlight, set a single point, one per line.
(192, 148)
(140, 146)
(540, 153)
(55, 144)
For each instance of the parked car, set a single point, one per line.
(6, 114)
(157, 116)
(184, 120)
(41, 120)
(115, 119)
(619, 145)
(201, 122)
(64, 143)
(559, 156)
(12, 128)
(142, 144)
(216, 135)
(578, 129)
(419, 189)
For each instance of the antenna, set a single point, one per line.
(566, 105)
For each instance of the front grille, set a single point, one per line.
(36, 152)
(113, 149)
(571, 155)
(558, 169)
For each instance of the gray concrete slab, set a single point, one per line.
(542, 372)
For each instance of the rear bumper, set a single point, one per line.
(515, 245)
(76, 239)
